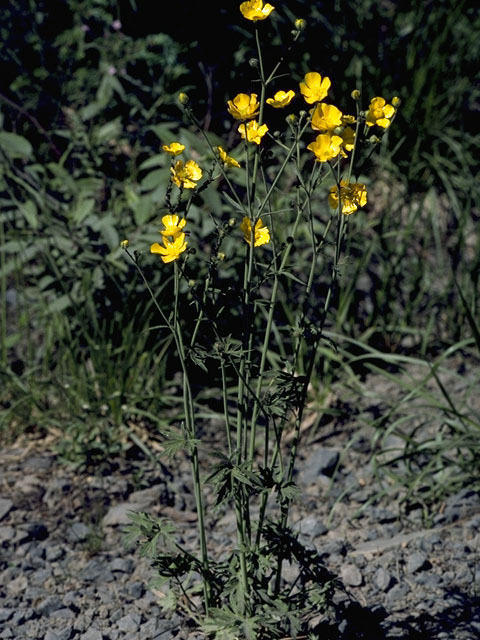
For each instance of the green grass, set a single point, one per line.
(80, 354)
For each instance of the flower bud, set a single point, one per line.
(192, 283)
(221, 256)
(291, 119)
(124, 244)
(374, 140)
(183, 98)
(396, 102)
(338, 131)
(253, 62)
(356, 94)
(232, 222)
(300, 24)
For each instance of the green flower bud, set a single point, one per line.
(396, 102)
(183, 98)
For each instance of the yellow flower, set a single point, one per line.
(255, 10)
(379, 113)
(243, 106)
(226, 159)
(173, 226)
(352, 195)
(314, 88)
(326, 147)
(124, 244)
(252, 131)
(186, 174)
(326, 117)
(281, 99)
(348, 119)
(262, 234)
(171, 250)
(348, 138)
(174, 149)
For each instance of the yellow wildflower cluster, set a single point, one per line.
(171, 249)
(352, 195)
(186, 175)
(335, 136)
(245, 107)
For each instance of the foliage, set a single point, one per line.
(274, 235)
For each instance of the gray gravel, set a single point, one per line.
(65, 573)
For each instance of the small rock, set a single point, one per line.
(334, 547)
(383, 579)
(58, 634)
(129, 623)
(118, 514)
(417, 561)
(96, 570)
(6, 614)
(322, 462)
(122, 565)
(136, 590)
(311, 526)
(429, 580)
(92, 634)
(351, 575)
(148, 497)
(395, 598)
(7, 633)
(30, 485)
(6, 534)
(49, 605)
(17, 585)
(63, 614)
(5, 506)
(54, 553)
(78, 532)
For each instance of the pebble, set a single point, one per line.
(49, 605)
(78, 532)
(322, 461)
(383, 579)
(351, 575)
(311, 526)
(92, 634)
(5, 506)
(53, 587)
(129, 623)
(416, 561)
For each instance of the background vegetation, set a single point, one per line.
(88, 96)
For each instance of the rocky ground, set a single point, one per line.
(65, 572)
